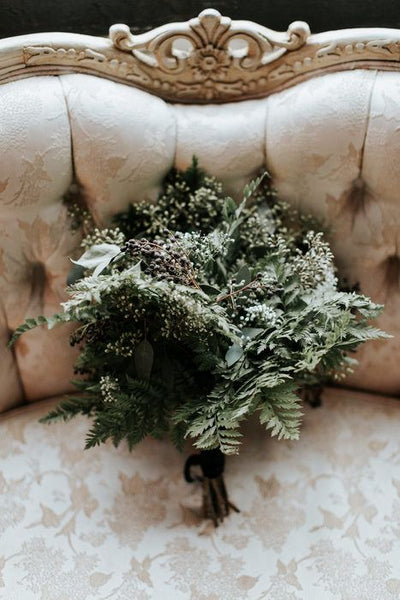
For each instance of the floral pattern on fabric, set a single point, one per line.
(319, 517)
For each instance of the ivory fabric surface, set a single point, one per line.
(330, 143)
(320, 518)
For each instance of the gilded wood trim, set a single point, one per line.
(209, 59)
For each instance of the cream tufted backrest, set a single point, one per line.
(330, 140)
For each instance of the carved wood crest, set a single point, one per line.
(211, 57)
(208, 59)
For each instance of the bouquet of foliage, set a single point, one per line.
(195, 313)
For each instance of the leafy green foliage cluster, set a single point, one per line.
(194, 313)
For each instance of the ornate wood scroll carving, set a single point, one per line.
(207, 59)
(207, 65)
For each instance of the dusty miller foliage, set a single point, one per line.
(195, 313)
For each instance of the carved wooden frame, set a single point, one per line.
(208, 59)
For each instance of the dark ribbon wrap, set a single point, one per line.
(211, 462)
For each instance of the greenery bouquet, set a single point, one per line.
(194, 313)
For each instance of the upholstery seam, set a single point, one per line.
(362, 150)
(64, 95)
(15, 361)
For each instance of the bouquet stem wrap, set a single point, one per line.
(216, 503)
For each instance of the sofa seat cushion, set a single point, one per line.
(320, 518)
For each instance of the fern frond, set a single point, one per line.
(41, 320)
(70, 407)
(281, 412)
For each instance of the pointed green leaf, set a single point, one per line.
(234, 353)
(98, 257)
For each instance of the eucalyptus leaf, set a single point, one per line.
(251, 332)
(233, 354)
(134, 269)
(210, 290)
(76, 273)
(98, 257)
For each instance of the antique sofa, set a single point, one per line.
(320, 518)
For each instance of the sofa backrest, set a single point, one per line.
(320, 113)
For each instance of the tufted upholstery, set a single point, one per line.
(330, 144)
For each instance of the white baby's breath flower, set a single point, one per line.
(109, 387)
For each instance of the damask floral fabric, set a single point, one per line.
(330, 144)
(320, 518)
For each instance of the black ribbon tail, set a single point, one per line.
(212, 463)
(191, 461)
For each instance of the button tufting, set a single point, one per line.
(356, 198)
(391, 267)
(359, 184)
(357, 193)
(38, 282)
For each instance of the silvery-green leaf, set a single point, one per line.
(101, 266)
(251, 187)
(75, 274)
(240, 208)
(210, 290)
(229, 208)
(251, 332)
(134, 269)
(233, 354)
(98, 257)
